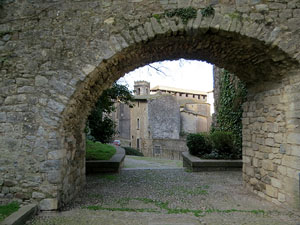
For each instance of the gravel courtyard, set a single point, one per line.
(167, 196)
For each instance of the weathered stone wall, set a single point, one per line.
(271, 140)
(121, 117)
(164, 117)
(139, 112)
(170, 149)
(56, 57)
(194, 123)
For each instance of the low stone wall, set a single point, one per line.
(196, 164)
(113, 165)
(165, 148)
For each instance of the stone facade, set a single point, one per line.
(122, 119)
(56, 57)
(163, 116)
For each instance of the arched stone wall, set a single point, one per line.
(57, 58)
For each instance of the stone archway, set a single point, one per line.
(57, 62)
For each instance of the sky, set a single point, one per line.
(185, 74)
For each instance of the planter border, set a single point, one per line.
(196, 164)
(112, 165)
(21, 216)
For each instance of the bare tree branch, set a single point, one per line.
(158, 70)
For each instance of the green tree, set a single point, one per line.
(100, 126)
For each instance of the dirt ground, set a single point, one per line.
(161, 192)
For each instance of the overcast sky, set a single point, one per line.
(186, 74)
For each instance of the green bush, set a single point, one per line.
(99, 151)
(222, 142)
(132, 151)
(198, 144)
(217, 145)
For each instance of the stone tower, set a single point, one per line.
(141, 87)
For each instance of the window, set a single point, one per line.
(138, 91)
(138, 143)
(156, 151)
(138, 124)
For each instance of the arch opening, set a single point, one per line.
(262, 67)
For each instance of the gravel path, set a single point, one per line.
(165, 197)
(136, 162)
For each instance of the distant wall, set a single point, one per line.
(164, 117)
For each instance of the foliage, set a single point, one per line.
(198, 144)
(99, 151)
(184, 13)
(216, 145)
(132, 151)
(157, 17)
(229, 117)
(6, 210)
(208, 11)
(222, 140)
(100, 126)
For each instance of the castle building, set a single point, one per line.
(159, 121)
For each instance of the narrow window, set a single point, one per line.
(138, 143)
(138, 124)
(139, 91)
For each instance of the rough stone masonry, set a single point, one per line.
(56, 57)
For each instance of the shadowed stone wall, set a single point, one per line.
(56, 57)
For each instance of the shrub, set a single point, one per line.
(198, 144)
(222, 142)
(132, 151)
(99, 151)
(217, 145)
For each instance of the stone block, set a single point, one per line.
(249, 170)
(56, 155)
(48, 204)
(54, 177)
(267, 165)
(276, 183)
(281, 197)
(41, 81)
(293, 138)
(291, 161)
(50, 165)
(256, 162)
(271, 191)
(292, 173)
(278, 138)
(269, 142)
(38, 195)
(246, 159)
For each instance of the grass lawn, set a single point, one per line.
(98, 151)
(6, 210)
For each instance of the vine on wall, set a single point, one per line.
(229, 109)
